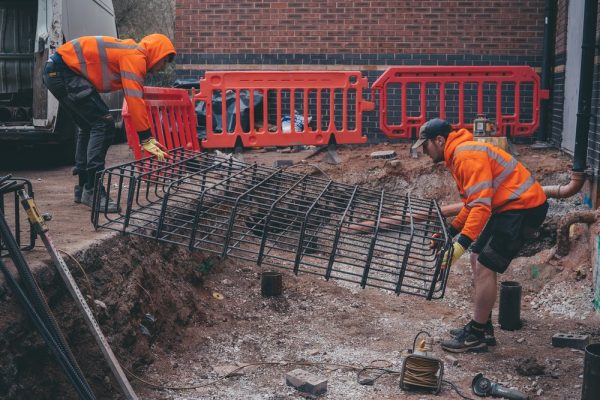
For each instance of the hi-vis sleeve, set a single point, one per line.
(133, 71)
(475, 184)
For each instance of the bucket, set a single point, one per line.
(270, 284)
(591, 373)
(509, 313)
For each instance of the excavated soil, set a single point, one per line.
(181, 321)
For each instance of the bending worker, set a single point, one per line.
(85, 66)
(503, 204)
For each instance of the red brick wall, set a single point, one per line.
(486, 27)
(561, 26)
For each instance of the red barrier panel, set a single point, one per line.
(172, 120)
(410, 95)
(318, 105)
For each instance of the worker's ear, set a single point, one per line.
(441, 141)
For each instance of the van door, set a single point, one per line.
(18, 24)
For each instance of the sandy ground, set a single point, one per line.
(335, 329)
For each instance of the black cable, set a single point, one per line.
(371, 381)
(453, 386)
(80, 387)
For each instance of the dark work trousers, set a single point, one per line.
(83, 102)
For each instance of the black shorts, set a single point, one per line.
(504, 235)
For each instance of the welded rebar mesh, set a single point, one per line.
(275, 217)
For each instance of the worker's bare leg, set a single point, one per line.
(474, 265)
(485, 293)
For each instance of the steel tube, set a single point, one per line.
(591, 373)
(271, 284)
(509, 315)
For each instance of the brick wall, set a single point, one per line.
(560, 59)
(361, 35)
(356, 27)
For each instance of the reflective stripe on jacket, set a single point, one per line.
(489, 181)
(112, 64)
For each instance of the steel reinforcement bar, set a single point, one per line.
(280, 218)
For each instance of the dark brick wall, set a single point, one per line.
(361, 35)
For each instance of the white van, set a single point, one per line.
(30, 31)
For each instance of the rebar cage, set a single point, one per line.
(10, 208)
(276, 217)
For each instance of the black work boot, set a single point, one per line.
(78, 191)
(488, 333)
(470, 339)
(105, 204)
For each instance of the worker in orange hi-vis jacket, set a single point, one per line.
(84, 67)
(502, 205)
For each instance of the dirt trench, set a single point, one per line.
(140, 291)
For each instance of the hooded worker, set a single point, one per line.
(503, 205)
(84, 67)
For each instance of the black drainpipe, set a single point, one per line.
(547, 65)
(586, 80)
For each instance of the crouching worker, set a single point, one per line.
(503, 205)
(89, 65)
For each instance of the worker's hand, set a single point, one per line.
(435, 242)
(153, 147)
(457, 251)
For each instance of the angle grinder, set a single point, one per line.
(483, 387)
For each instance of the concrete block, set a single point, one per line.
(570, 340)
(385, 154)
(306, 382)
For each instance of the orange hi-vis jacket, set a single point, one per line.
(112, 64)
(489, 181)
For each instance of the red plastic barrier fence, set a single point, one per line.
(172, 120)
(313, 107)
(300, 107)
(410, 95)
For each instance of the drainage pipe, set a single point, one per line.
(562, 232)
(568, 190)
(586, 81)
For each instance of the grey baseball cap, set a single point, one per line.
(431, 129)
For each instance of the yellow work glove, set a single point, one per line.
(153, 147)
(457, 252)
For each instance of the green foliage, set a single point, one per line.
(535, 271)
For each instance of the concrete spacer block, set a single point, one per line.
(570, 340)
(306, 382)
(385, 154)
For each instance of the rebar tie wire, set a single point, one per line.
(275, 217)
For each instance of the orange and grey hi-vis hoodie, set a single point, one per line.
(112, 64)
(489, 181)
